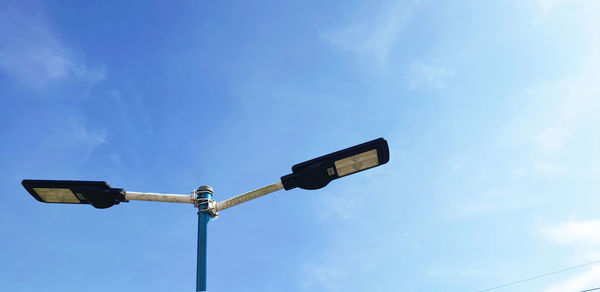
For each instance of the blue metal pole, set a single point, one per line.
(204, 192)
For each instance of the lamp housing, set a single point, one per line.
(96, 193)
(317, 173)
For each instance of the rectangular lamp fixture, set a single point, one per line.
(317, 173)
(96, 193)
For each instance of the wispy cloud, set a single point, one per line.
(574, 232)
(34, 55)
(375, 36)
(562, 119)
(550, 168)
(326, 276)
(547, 5)
(583, 281)
(582, 236)
(576, 104)
(339, 208)
(552, 138)
(80, 134)
(495, 201)
(428, 75)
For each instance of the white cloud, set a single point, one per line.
(550, 168)
(340, 208)
(326, 276)
(553, 131)
(548, 5)
(34, 55)
(68, 132)
(375, 36)
(82, 135)
(572, 100)
(572, 104)
(428, 75)
(574, 233)
(496, 201)
(552, 139)
(583, 281)
(518, 173)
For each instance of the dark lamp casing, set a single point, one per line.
(96, 193)
(317, 173)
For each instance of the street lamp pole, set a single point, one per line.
(204, 195)
(309, 175)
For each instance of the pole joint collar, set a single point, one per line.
(204, 201)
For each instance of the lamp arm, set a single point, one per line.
(248, 196)
(155, 197)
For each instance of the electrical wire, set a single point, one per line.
(541, 276)
(593, 289)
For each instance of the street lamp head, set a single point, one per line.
(96, 193)
(317, 173)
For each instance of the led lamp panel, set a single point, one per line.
(56, 195)
(356, 163)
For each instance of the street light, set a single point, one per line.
(310, 175)
(97, 193)
(317, 173)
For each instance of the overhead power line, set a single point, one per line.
(542, 276)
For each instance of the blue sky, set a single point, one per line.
(489, 107)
